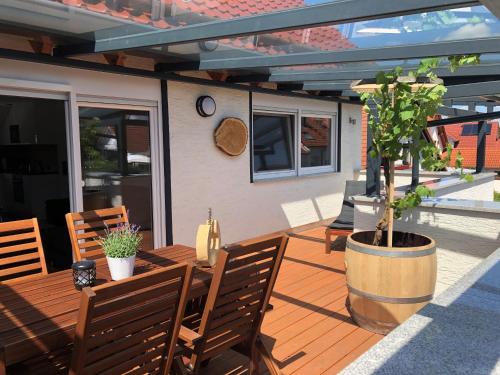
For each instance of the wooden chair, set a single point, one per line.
(132, 324)
(243, 280)
(344, 223)
(128, 326)
(86, 227)
(21, 250)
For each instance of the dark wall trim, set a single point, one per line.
(166, 162)
(87, 65)
(250, 133)
(339, 138)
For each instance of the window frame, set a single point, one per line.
(297, 169)
(283, 172)
(332, 167)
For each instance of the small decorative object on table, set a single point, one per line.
(120, 245)
(208, 242)
(83, 274)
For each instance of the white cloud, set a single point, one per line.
(479, 30)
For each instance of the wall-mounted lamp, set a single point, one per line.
(352, 121)
(208, 45)
(205, 106)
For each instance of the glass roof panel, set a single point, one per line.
(96, 19)
(449, 25)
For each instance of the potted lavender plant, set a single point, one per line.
(120, 245)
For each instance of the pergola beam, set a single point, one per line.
(404, 52)
(331, 13)
(455, 112)
(335, 74)
(473, 89)
(462, 119)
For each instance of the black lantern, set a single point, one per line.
(83, 274)
(205, 106)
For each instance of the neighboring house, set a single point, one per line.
(75, 139)
(464, 139)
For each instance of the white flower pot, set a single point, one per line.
(121, 268)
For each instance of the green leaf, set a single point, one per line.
(406, 115)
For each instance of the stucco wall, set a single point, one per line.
(463, 237)
(203, 176)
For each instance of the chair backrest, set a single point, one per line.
(85, 228)
(351, 188)
(21, 251)
(241, 287)
(131, 325)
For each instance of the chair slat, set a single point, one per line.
(116, 333)
(18, 237)
(117, 357)
(97, 214)
(10, 226)
(19, 258)
(99, 224)
(250, 260)
(126, 342)
(20, 269)
(165, 292)
(137, 282)
(19, 247)
(249, 279)
(132, 314)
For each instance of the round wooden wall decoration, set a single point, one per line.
(231, 136)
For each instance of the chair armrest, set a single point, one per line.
(189, 336)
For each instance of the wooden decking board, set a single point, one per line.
(304, 337)
(309, 329)
(335, 369)
(296, 311)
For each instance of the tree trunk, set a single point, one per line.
(390, 198)
(385, 219)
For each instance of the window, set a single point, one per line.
(473, 129)
(284, 146)
(316, 142)
(273, 142)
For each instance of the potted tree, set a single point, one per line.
(391, 274)
(120, 245)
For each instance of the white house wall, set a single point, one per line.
(203, 176)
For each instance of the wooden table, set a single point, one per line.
(40, 315)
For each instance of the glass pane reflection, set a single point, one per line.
(116, 163)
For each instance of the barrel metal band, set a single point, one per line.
(399, 300)
(390, 254)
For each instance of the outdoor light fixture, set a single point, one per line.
(84, 274)
(205, 106)
(208, 45)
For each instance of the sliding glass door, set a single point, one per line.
(116, 163)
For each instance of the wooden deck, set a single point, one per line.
(309, 329)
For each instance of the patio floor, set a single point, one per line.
(309, 329)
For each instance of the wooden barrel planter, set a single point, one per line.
(387, 285)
